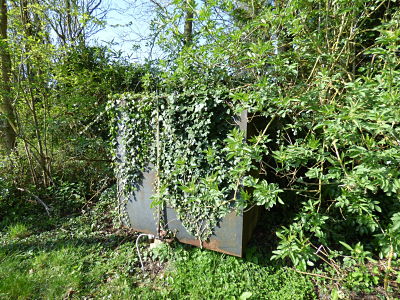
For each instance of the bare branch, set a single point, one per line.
(38, 200)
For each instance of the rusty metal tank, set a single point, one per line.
(230, 236)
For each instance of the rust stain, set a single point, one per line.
(211, 245)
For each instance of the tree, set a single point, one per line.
(74, 21)
(188, 26)
(32, 92)
(8, 133)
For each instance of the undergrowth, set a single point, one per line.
(87, 255)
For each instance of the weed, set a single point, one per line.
(18, 230)
(201, 274)
(88, 256)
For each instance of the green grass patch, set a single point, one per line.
(88, 256)
(41, 275)
(202, 274)
(74, 262)
(18, 230)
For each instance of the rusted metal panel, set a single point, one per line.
(230, 236)
(227, 237)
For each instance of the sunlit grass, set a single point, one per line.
(51, 266)
(70, 258)
(18, 230)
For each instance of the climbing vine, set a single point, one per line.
(194, 177)
(132, 146)
(203, 158)
(321, 79)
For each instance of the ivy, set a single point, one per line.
(202, 156)
(323, 82)
(132, 141)
(194, 177)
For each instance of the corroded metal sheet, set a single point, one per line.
(227, 237)
(230, 236)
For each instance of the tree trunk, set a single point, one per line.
(8, 125)
(36, 87)
(188, 28)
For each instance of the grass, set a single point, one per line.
(18, 230)
(45, 267)
(86, 255)
(199, 274)
(83, 256)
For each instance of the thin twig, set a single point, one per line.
(40, 201)
(317, 275)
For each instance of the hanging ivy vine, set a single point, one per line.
(203, 158)
(133, 150)
(194, 178)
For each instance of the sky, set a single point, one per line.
(128, 23)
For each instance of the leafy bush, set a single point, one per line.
(335, 140)
(320, 81)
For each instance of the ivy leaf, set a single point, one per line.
(245, 295)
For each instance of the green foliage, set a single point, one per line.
(201, 158)
(162, 252)
(105, 212)
(321, 82)
(191, 165)
(58, 92)
(194, 175)
(322, 78)
(18, 230)
(338, 149)
(131, 123)
(198, 274)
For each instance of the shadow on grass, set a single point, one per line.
(108, 242)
